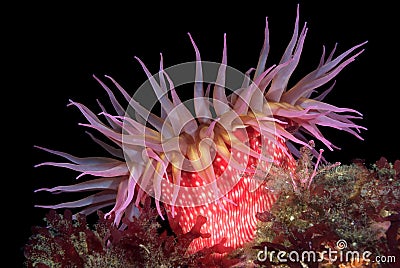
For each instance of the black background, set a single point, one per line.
(54, 51)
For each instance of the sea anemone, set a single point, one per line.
(208, 156)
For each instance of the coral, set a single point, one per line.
(354, 204)
(143, 242)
